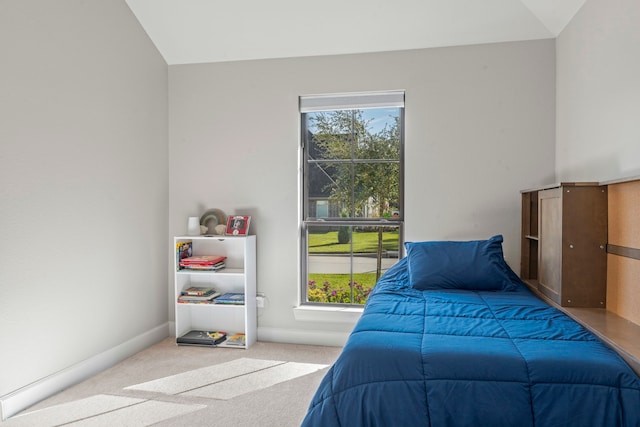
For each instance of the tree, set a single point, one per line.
(363, 164)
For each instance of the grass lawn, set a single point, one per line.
(363, 242)
(367, 280)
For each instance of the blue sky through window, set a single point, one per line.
(379, 117)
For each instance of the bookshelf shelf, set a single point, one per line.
(225, 272)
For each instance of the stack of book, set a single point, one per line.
(198, 295)
(235, 298)
(203, 262)
(202, 338)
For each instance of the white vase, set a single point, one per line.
(193, 226)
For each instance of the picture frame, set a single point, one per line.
(238, 225)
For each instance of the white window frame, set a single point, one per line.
(330, 102)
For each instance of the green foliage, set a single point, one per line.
(347, 135)
(351, 293)
(344, 235)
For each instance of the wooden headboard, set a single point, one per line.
(623, 249)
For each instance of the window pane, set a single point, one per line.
(330, 134)
(344, 262)
(321, 184)
(376, 189)
(382, 137)
(354, 190)
(332, 183)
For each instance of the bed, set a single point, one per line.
(451, 337)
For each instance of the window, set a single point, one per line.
(352, 186)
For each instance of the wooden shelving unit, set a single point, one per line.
(564, 239)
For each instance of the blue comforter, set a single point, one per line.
(471, 358)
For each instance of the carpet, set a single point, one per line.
(227, 380)
(103, 410)
(219, 382)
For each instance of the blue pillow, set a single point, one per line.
(471, 265)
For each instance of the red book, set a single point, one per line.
(202, 260)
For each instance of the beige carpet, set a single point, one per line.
(104, 410)
(228, 380)
(268, 384)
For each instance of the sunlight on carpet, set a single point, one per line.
(102, 410)
(230, 379)
(223, 381)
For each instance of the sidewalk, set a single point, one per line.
(340, 264)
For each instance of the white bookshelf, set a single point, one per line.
(239, 275)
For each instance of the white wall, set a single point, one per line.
(83, 184)
(480, 126)
(598, 93)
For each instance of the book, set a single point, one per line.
(231, 298)
(202, 337)
(182, 300)
(192, 298)
(236, 339)
(217, 336)
(183, 250)
(204, 267)
(198, 290)
(198, 294)
(202, 260)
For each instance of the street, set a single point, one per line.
(336, 264)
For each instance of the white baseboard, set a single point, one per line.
(297, 336)
(14, 402)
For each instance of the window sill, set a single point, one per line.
(313, 313)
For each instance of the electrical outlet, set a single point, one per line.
(260, 301)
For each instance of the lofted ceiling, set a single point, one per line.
(198, 31)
